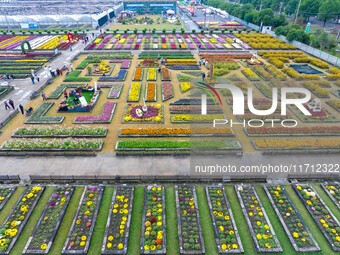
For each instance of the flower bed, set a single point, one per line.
(138, 75)
(188, 219)
(121, 76)
(134, 92)
(167, 91)
(52, 145)
(44, 233)
(225, 229)
(165, 74)
(57, 92)
(152, 75)
(73, 77)
(79, 238)
(105, 116)
(174, 132)
(153, 239)
(195, 118)
(37, 117)
(194, 109)
(335, 104)
(294, 226)
(317, 90)
(333, 191)
(277, 73)
(125, 62)
(15, 222)
(182, 77)
(90, 97)
(293, 131)
(151, 92)
(260, 228)
(297, 144)
(154, 114)
(115, 91)
(185, 86)
(5, 195)
(275, 117)
(59, 132)
(116, 237)
(323, 217)
(316, 117)
(260, 70)
(250, 74)
(268, 92)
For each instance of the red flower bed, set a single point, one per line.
(173, 46)
(321, 114)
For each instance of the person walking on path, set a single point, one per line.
(37, 77)
(6, 105)
(11, 103)
(70, 47)
(21, 109)
(32, 72)
(203, 76)
(200, 62)
(71, 66)
(44, 96)
(32, 79)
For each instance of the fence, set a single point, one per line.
(315, 52)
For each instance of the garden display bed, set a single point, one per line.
(165, 75)
(79, 237)
(302, 131)
(326, 117)
(90, 98)
(266, 91)
(74, 77)
(333, 191)
(44, 233)
(296, 229)
(21, 211)
(333, 106)
(121, 76)
(260, 228)
(195, 118)
(167, 91)
(132, 95)
(5, 194)
(148, 78)
(251, 79)
(141, 74)
(100, 73)
(183, 78)
(151, 88)
(319, 211)
(225, 229)
(175, 132)
(194, 109)
(155, 114)
(189, 224)
(153, 240)
(37, 117)
(115, 91)
(116, 238)
(56, 93)
(4, 91)
(105, 116)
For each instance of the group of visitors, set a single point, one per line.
(164, 61)
(204, 63)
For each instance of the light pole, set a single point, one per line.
(297, 12)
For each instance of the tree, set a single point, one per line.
(293, 35)
(310, 8)
(280, 20)
(281, 31)
(267, 20)
(291, 7)
(328, 10)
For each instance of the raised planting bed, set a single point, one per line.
(115, 91)
(183, 78)
(138, 74)
(79, 238)
(37, 117)
(73, 77)
(167, 91)
(116, 237)
(151, 92)
(165, 74)
(59, 132)
(188, 219)
(89, 96)
(194, 109)
(57, 92)
(260, 228)
(134, 92)
(18, 217)
(175, 132)
(44, 233)
(152, 74)
(4, 91)
(333, 191)
(262, 72)
(265, 89)
(324, 116)
(121, 76)
(5, 195)
(55, 145)
(192, 101)
(321, 214)
(185, 86)
(225, 229)
(195, 118)
(97, 72)
(153, 239)
(296, 229)
(293, 131)
(105, 116)
(153, 115)
(250, 74)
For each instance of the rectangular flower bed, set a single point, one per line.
(151, 92)
(260, 228)
(323, 217)
(79, 238)
(188, 218)
(265, 89)
(195, 118)
(185, 86)
(5, 195)
(134, 92)
(138, 74)
(134, 114)
(57, 92)
(104, 118)
(165, 74)
(175, 132)
(225, 229)
(37, 117)
(73, 77)
(153, 239)
(152, 74)
(250, 74)
(116, 237)
(296, 229)
(333, 191)
(194, 109)
(167, 91)
(293, 131)
(44, 233)
(115, 91)
(18, 217)
(121, 76)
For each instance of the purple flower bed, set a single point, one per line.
(127, 46)
(125, 62)
(92, 46)
(139, 41)
(230, 36)
(100, 46)
(140, 36)
(120, 76)
(189, 67)
(220, 40)
(172, 40)
(178, 36)
(245, 46)
(209, 46)
(163, 40)
(218, 46)
(114, 40)
(191, 46)
(106, 40)
(196, 40)
(155, 40)
(115, 90)
(188, 40)
(147, 36)
(125, 36)
(119, 46)
(130, 40)
(152, 112)
(208, 36)
(104, 117)
(193, 35)
(163, 36)
(223, 36)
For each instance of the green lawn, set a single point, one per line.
(88, 96)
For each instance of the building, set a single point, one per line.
(150, 7)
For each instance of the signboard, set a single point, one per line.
(33, 25)
(83, 101)
(308, 27)
(24, 24)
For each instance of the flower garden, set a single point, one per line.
(182, 219)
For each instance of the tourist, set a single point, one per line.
(61, 72)
(21, 109)
(206, 64)
(11, 103)
(37, 78)
(203, 76)
(65, 95)
(71, 66)
(58, 71)
(43, 95)
(32, 72)
(32, 79)
(199, 47)
(162, 60)
(6, 105)
(200, 62)
(159, 70)
(70, 47)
